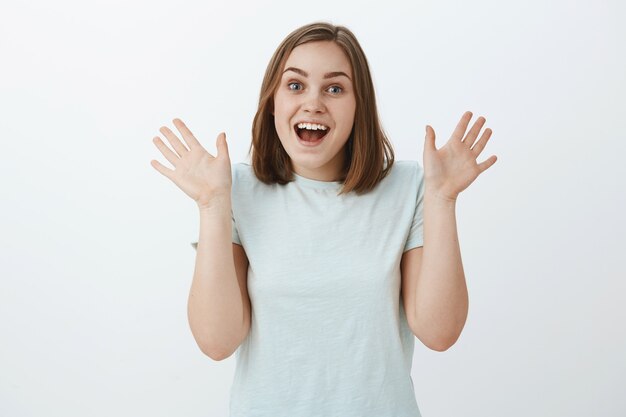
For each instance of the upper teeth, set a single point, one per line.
(311, 126)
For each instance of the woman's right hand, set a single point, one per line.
(199, 174)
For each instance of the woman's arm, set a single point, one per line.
(218, 309)
(433, 278)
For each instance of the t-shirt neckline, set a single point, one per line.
(308, 182)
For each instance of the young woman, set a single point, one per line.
(321, 261)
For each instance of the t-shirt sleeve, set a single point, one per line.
(235, 233)
(416, 233)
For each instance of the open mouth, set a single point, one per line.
(311, 132)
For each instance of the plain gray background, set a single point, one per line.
(96, 261)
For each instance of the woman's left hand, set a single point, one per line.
(452, 168)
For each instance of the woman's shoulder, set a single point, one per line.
(241, 168)
(407, 168)
(242, 172)
(404, 176)
(245, 181)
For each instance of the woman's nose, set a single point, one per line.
(313, 103)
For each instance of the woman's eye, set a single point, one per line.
(294, 86)
(335, 89)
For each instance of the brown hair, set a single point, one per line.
(368, 153)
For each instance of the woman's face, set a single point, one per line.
(314, 108)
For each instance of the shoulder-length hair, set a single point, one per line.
(369, 154)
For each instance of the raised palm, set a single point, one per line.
(202, 176)
(452, 168)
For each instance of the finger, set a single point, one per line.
(222, 146)
(161, 168)
(189, 138)
(480, 144)
(461, 127)
(166, 151)
(430, 138)
(483, 166)
(174, 141)
(470, 138)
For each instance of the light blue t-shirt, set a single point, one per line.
(329, 335)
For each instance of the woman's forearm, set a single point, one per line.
(441, 293)
(215, 309)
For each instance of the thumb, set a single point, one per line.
(222, 146)
(430, 138)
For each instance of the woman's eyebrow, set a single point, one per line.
(327, 75)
